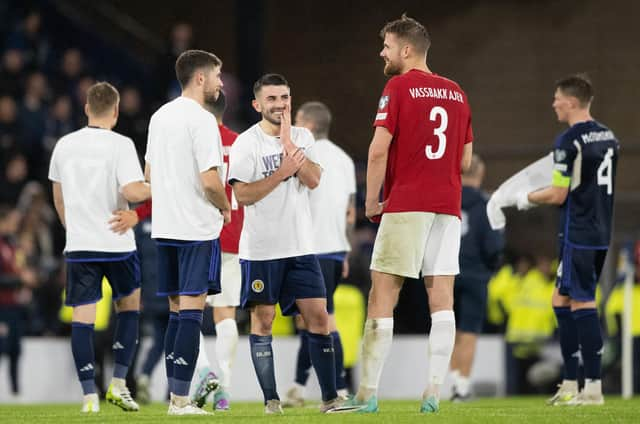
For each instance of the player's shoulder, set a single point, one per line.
(336, 150)
(67, 138)
(247, 137)
(300, 133)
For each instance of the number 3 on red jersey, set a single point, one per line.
(438, 132)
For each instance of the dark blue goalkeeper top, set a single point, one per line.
(585, 159)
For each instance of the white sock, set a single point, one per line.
(376, 343)
(441, 341)
(203, 360)
(226, 344)
(463, 385)
(592, 387)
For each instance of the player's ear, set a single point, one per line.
(406, 51)
(86, 109)
(256, 105)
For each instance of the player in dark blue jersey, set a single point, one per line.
(585, 158)
(480, 254)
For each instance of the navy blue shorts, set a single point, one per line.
(85, 271)
(331, 267)
(579, 272)
(281, 281)
(470, 303)
(188, 267)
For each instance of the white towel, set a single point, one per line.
(534, 177)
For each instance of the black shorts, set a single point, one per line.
(85, 271)
(281, 281)
(470, 303)
(331, 272)
(579, 271)
(188, 267)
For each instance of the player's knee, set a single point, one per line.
(382, 299)
(262, 319)
(319, 323)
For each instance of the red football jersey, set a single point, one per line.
(430, 120)
(230, 235)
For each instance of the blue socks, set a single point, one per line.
(569, 345)
(83, 355)
(590, 337)
(125, 342)
(262, 358)
(303, 364)
(169, 343)
(323, 360)
(339, 358)
(185, 350)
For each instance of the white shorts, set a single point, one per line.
(231, 277)
(410, 242)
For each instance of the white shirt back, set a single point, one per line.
(330, 200)
(92, 165)
(184, 141)
(278, 226)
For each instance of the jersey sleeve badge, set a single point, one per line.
(384, 101)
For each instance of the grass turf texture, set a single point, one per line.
(508, 410)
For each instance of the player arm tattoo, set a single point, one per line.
(58, 202)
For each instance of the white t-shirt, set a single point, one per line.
(330, 200)
(184, 141)
(92, 165)
(278, 226)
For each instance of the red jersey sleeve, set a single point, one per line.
(144, 210)
(388, 108)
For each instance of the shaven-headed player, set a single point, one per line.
(332, 211)
(94, 172)
(421, 143)
(184, 158)
(272, 168)
(585, 158)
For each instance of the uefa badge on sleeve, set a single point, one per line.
(257, 286)
(384, 101)
(560, 155)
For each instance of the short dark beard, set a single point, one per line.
(391, 70)
(210, 98)
(270, 120)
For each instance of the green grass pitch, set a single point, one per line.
(484, 411)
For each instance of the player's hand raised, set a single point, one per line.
(123, 221)
(291, 163)
(285, 129)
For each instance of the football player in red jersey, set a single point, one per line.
(421, 144)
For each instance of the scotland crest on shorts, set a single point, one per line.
(257, 286)
(560, 155)
(384, 101)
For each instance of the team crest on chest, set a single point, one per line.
(257, 286)
(384, 101)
